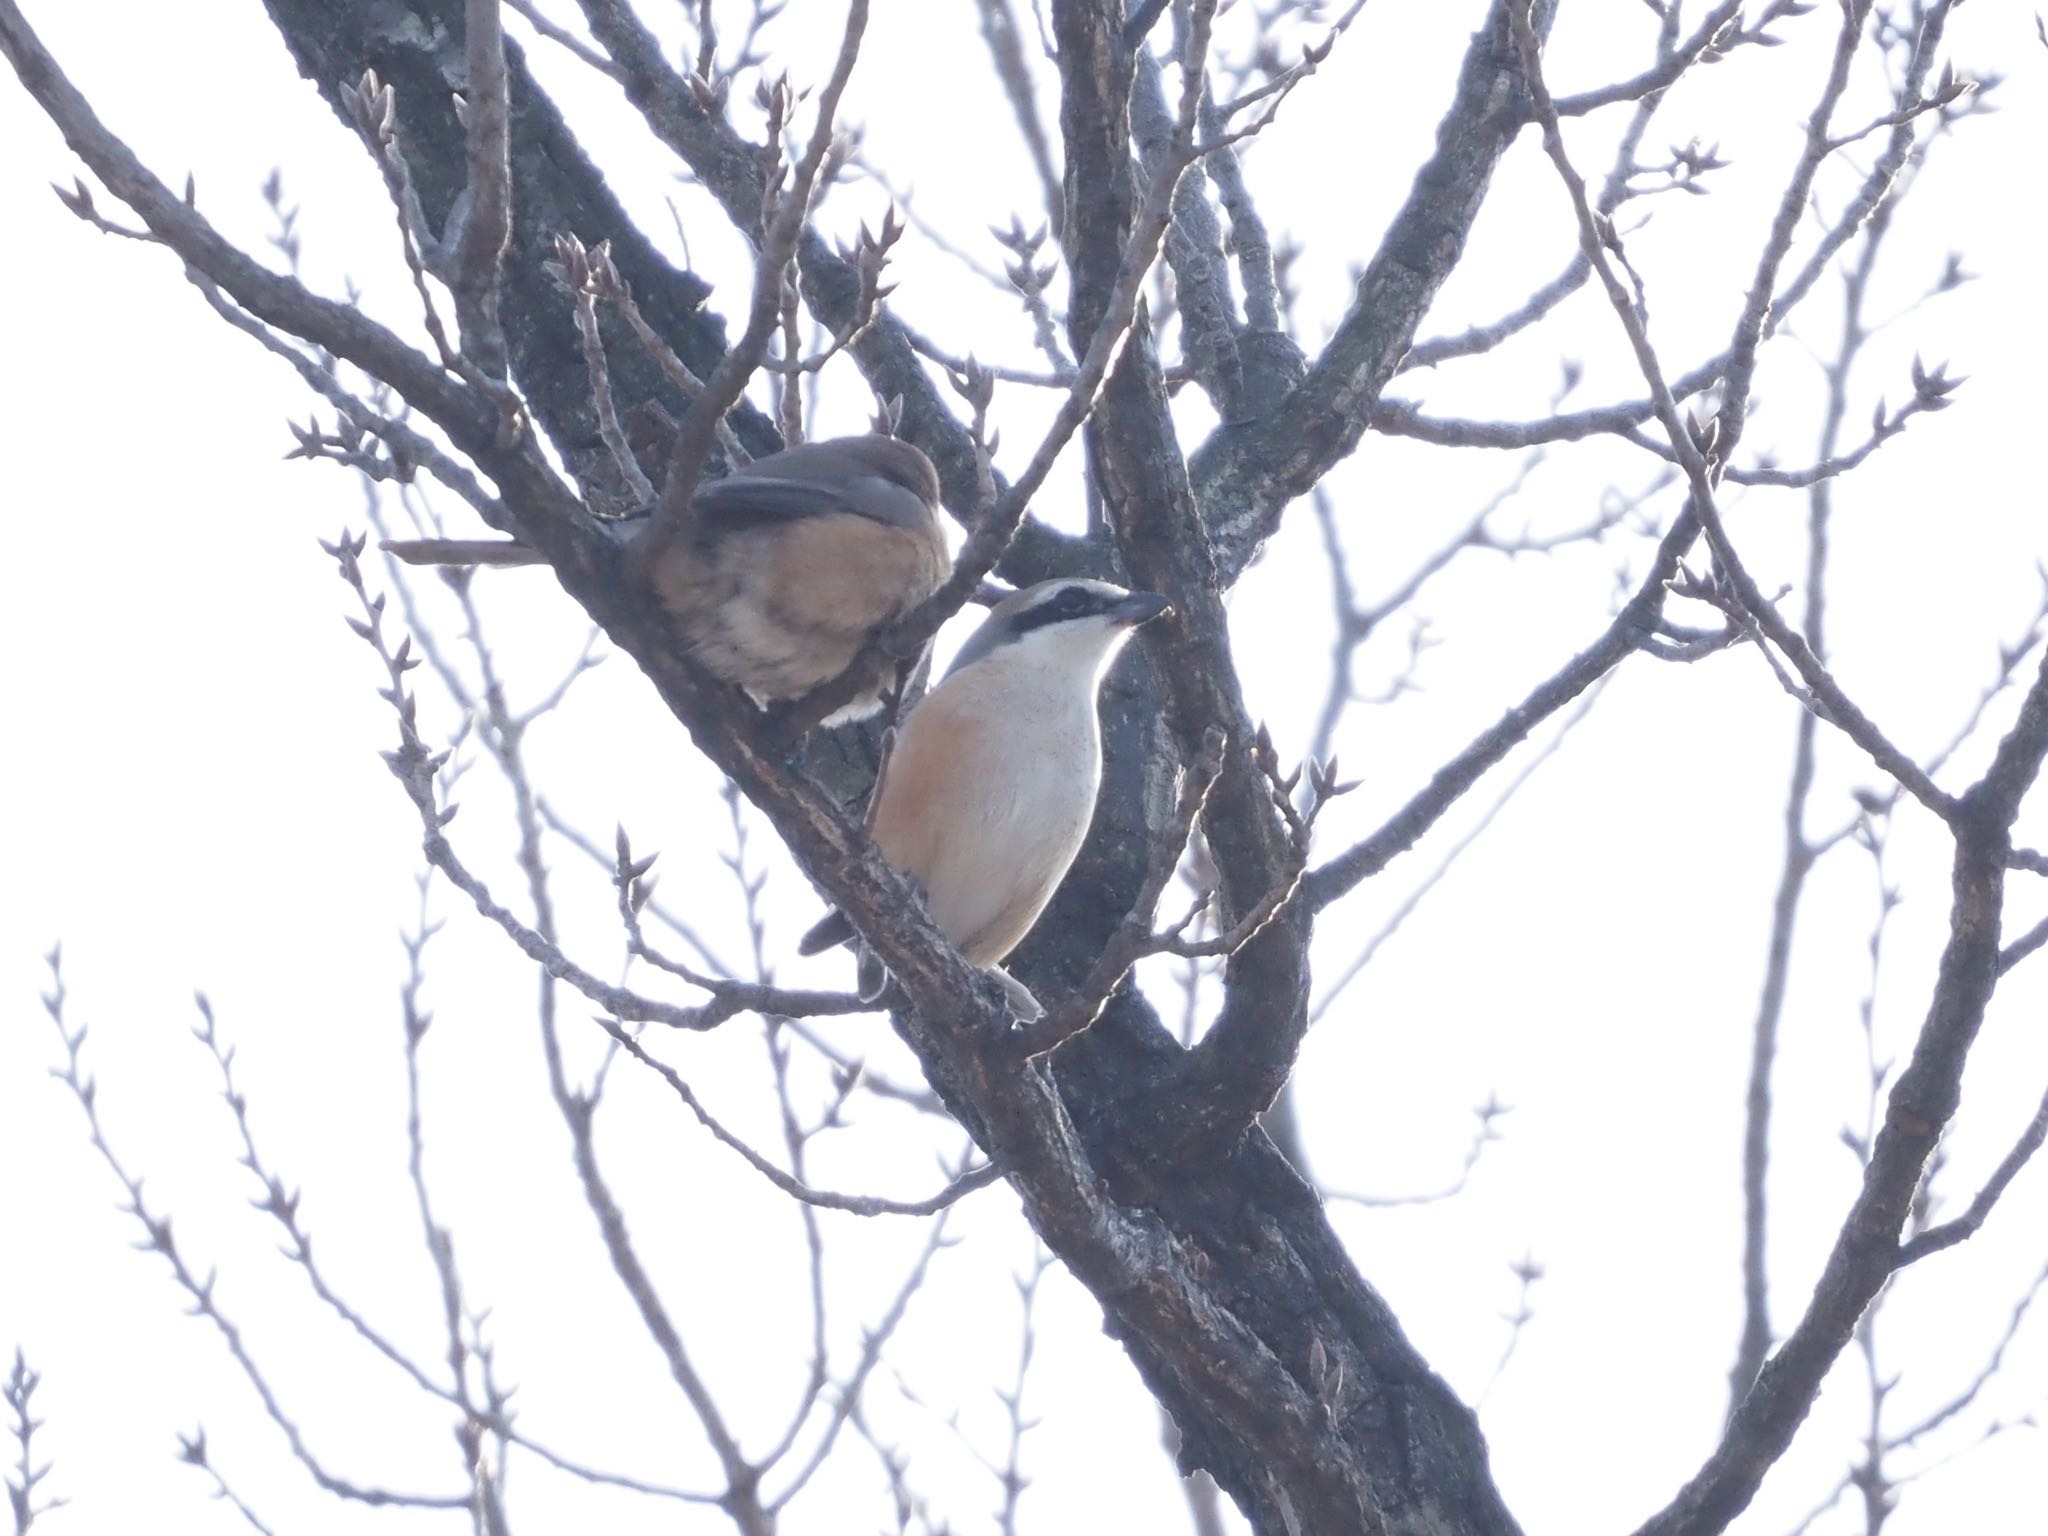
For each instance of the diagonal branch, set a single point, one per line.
(1637, 620)
(1247, 472)
(270, 297)
(1822, 691)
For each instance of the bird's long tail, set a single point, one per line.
(464, 552)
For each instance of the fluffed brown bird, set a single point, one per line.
(991, 786)
(785, 568)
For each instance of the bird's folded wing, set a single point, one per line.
(744, 500)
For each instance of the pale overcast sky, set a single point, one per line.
(196, 802)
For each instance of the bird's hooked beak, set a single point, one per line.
(1139, 608)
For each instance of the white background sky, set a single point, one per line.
(195, 801)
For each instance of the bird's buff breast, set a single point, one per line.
(1025, 812)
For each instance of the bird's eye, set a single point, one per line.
(1067, 603)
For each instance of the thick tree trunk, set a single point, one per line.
(1289, 1378)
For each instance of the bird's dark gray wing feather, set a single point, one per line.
(743, 500)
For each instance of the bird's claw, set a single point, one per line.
(872, 977)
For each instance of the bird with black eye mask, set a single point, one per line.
(784, 569)
(990, 788)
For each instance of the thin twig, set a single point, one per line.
(824, 1199)
(1949, 1233)
(566, 39)
(199, 1292)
